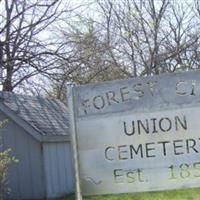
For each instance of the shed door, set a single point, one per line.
(58, 169)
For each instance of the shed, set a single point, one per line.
(38, 134)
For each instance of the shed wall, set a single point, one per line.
(26, 178)
(58, 169)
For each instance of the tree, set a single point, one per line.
(103, 40)
(25, 50)
(128, 38)
(88, 58)
(151, 37)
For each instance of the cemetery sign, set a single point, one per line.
(136, 135)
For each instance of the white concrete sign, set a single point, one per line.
(138, 134)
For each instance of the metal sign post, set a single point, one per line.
(74, 140)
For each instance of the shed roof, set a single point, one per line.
(49, 117)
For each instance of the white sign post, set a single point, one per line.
(74, 140)
(137, 135)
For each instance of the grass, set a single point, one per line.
(187, 194)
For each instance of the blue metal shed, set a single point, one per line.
(38, 134)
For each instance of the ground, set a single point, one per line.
(186, 194)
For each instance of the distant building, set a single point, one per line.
(38, 134)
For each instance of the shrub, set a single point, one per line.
(5, 160)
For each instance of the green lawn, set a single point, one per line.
(187, 194)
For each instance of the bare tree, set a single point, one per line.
(25, 50)
(130, 38)
(146, 37)
(157, 36)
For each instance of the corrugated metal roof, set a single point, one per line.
(48, 116)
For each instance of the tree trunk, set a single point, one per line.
(7, 84)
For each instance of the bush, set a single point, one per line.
(5, 160)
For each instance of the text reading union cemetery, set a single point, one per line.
(139, 134)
